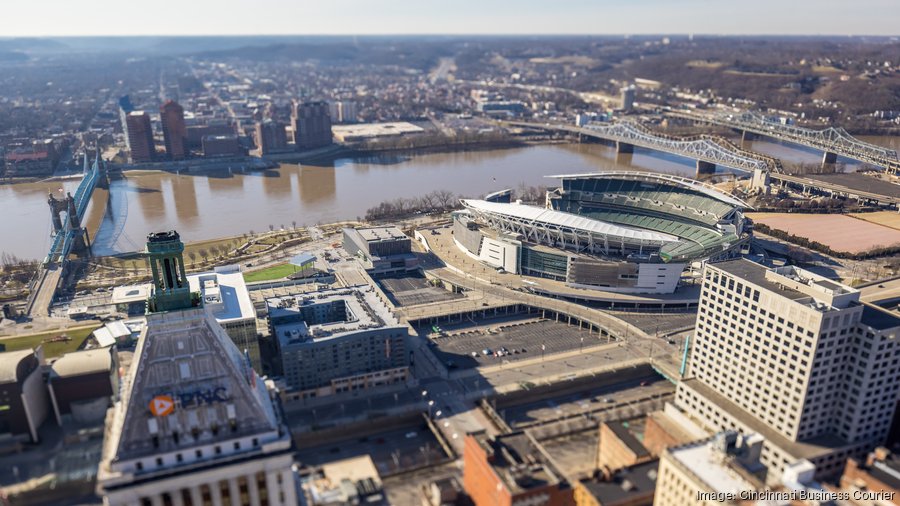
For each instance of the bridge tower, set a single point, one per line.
(170, 290)
(103, 181)
(57, 206)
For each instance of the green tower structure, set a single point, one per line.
(171, 291)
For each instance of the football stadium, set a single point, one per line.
(626, 232)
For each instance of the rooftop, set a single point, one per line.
(381, 234)
(519, 461)
(130, 293)
(714, 467)
(887, 470)
(628, 439)
(375, 129)
(9, 364)
(292, 315)
(792, 283)
(224, 293)
(82, 362)
(632, 482)
(568, 220)
(878, 318)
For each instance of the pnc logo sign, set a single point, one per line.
(162, 405)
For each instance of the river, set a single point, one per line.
(210, 205)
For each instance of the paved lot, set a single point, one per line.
(607, 397)
(414, 290)
(391, 451)
(526, 337)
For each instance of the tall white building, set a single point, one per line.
(225, 295)
(195, 425)
(794, 357)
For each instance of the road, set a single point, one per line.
(884, 292)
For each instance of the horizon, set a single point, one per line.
(221, 18)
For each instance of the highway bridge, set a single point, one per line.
(69, 236)
(832, 141)
(708, 150)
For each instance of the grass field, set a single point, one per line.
(275, 272)
(55, 349)
(838, 232)
(887, 218)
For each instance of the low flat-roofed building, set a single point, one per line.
(877, 477)
(618, 448)
(512, 469)
(442, 492)
(221, 145)
(83, 384)
(115, 332)
(713, 470)
(369, 131)
(131, 299)
(382, 250)
(661, 431)
(630, 486)
(350, 481)
(337, 340)
(225, 296)
(23, 395)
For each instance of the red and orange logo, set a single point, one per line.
(162, 405)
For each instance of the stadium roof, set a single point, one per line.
(573, 221)
(692, 184)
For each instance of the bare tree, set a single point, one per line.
(193, 256)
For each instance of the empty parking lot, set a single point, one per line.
(414, 290)
(524, 339)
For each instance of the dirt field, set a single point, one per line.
(840, 233)
(887, 218)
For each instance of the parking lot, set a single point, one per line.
(414, 290)
(523, 339)
(617, 396)
(391, 451)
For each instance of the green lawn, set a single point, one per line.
(54, 349)
(275, 272)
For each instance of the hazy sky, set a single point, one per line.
(223, 17)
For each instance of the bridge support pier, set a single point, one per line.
(624, 147)
(747, 136)
(705, 168)
(624, 158)
(829, 158)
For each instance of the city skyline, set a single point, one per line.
(404, 17)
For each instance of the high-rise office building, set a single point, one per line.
(342, 111)
(628, 95)
(140, 137)
(125, 107)
(270, 137)
(171, 115)
(195, 424)
(794, 357)
(311, 122)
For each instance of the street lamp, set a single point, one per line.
(430, 405)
